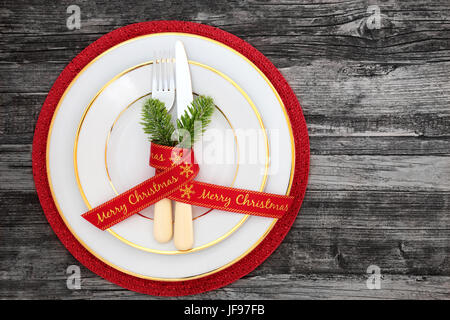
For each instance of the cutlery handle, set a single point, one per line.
(183, 234)
(162, 222)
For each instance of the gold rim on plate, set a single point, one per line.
(158, 251)
(160, 278)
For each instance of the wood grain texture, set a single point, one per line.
(376, 102)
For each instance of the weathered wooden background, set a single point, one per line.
(377, 104)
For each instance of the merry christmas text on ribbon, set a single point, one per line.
(174, 179)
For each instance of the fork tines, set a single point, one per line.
(163, 74)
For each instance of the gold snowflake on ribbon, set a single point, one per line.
(187, 191)
(176, 157)
(186, 170)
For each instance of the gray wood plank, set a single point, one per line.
(290, 287)
(376, 102)
(327, 172)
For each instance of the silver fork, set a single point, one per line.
(163, 81)
(163, 89)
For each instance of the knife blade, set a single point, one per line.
(183, 237)
(183, 79)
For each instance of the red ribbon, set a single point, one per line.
(175, 170)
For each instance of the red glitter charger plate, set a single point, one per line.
(225, 276)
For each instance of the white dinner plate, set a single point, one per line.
(96, 147)
(105, 169)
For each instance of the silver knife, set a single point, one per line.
(183, 237)
(183, 79)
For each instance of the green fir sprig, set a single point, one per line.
(195, 119)
(157, 122)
